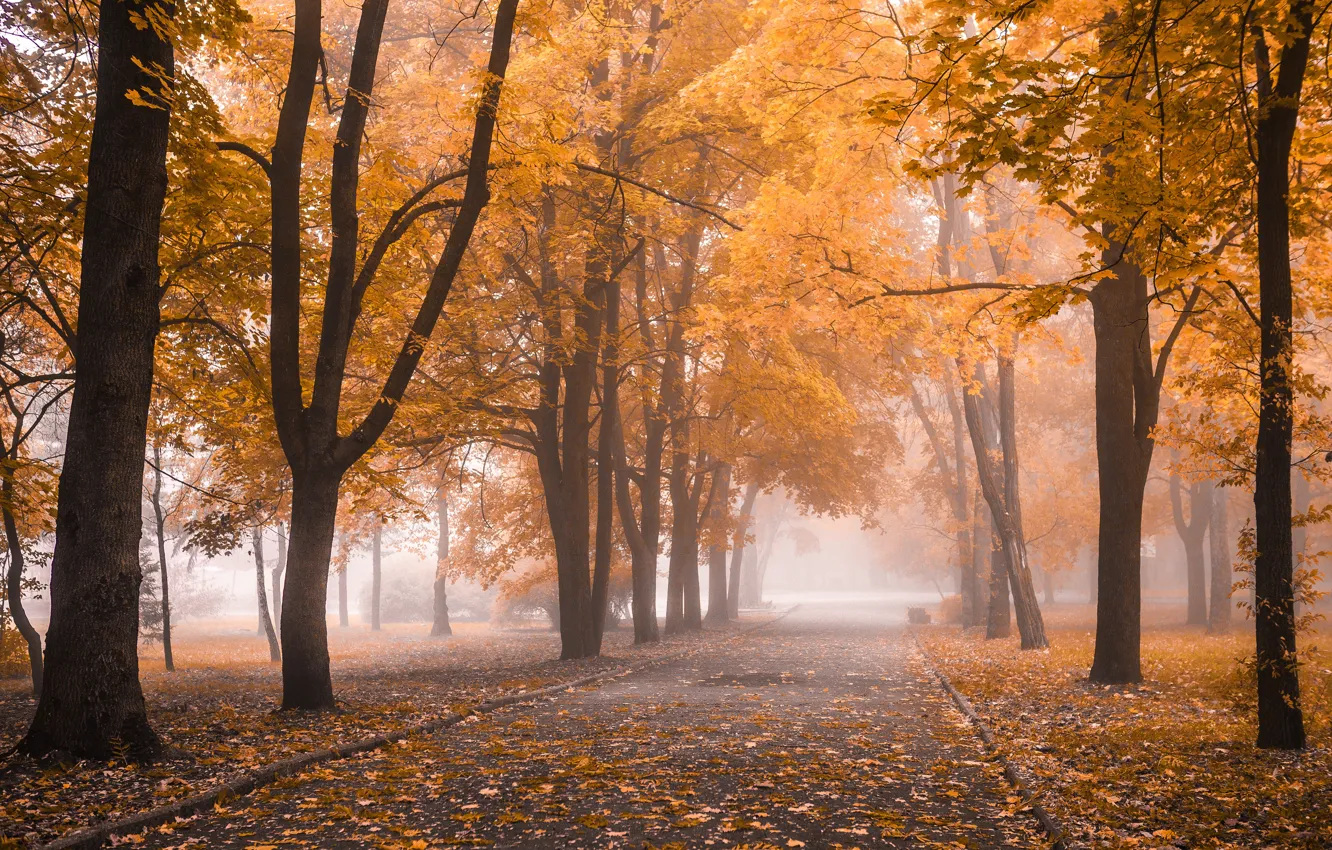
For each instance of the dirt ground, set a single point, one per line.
(219, 708)
(821, 730)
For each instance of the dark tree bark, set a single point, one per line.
(642, 533)
(376, 572)
(1126, 408)
(738, 546)
(610, 409)
(683, 609)
(159, 526)
(1223, 578)
(257, 541)
(317, 453)
(1192, 533)
(719, 504)
(91, 704)
(440, 626)
(1280, 719)
(562, 428)
(14, 583)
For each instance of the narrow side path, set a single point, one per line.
(821, 731)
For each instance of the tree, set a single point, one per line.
(318, 454)
(91, 697)
(440, 624)
(1192, 533)
(265, 619)
(1004, 502)
(159, 529)
(1280, 720)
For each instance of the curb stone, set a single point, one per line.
(96, 836)
(1049, 824)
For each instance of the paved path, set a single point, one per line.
(823, 730)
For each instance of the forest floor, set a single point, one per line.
(218, 708)
(1168, 764)
(822, 730)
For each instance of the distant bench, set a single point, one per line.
(918, 616)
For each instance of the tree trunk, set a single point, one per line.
(257, 541)
(719, 504)
(14, 584)
(1123, 457)
(159, 516)
(278, 569)
(91, 704)
(306, 682)
(1005, 505)
(1031, 625)
(1218, 620)
(344, 615)
(1280, 719)
(1192, 533)
(441, 625)
(376, 572)
(684, 611)
(1047, 576)
(738, 546)
(610, 406)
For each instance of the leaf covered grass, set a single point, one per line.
(1170, 763)
(218, 710)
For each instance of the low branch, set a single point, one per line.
(247, 151)
(615, 175)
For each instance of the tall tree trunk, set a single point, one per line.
(14, 583)
(1280, 719)
(610, 407)
(1218, 619)
(440, 625)
(719, 504)
(159, 525)
(682, 604)
(1004, 502)
(278, 569)
(969, 575)
(305, 670)
(91, 703)
(1192, 533)
(1026, 607)
(1123, 458)
(376, 572)
(257, 541)
(642, 533)
(738, 546)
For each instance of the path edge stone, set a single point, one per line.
(247, 783)
(1049, 823)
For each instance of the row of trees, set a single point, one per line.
(606, 277)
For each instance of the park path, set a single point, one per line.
(821, 730)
